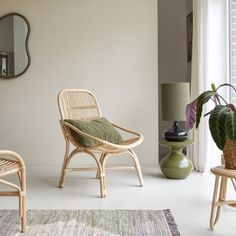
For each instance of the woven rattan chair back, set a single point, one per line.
(78, 104)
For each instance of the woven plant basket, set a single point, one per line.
(229, 152)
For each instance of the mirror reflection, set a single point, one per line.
(14, 55)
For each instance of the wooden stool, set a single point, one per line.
(221, 175)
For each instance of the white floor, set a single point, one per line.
(188, 199)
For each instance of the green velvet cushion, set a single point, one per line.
(100, 128)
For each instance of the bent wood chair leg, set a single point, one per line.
(100, 160)
(137, 166)
(22, 197)
(21, 193)
(105, 155)
(100, 173)
(64, 165)
(22, 211)
(213, 207)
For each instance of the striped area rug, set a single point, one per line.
(90, 222)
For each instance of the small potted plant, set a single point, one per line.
(222, 121)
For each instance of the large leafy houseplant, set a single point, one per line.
(222, 120)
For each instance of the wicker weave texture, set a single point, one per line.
(230, 155)
(8, 167)
(81, 105)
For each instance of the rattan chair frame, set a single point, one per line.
(104, 149)
(12, 163)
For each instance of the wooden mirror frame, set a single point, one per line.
(26, 44)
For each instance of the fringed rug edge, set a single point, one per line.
(171, 222)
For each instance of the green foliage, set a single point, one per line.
(230, 125)
(222, 121)
(217, 125)
(201, 100)
(213, 87)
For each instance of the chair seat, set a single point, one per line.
(8, 167)
(119, 149)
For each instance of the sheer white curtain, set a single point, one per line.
(209, 65)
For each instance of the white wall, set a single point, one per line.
(106, 46)
(172, 52)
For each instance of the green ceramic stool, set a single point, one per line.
(176, 165)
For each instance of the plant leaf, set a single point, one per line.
(190, 113)
(226, 84)
(201, 100)
(217, 122)
(232, 107)
(230, 125)
(213, 87)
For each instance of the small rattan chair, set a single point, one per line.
(82, 105)
(12, 163)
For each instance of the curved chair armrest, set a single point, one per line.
(103, 142)
(14, 155)
(129, 131)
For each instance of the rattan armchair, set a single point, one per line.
(12, 163)
(82, 105)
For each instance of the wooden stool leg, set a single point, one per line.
(225, 188)
(221, 197)
(214, 202)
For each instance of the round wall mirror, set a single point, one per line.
(14, 53)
